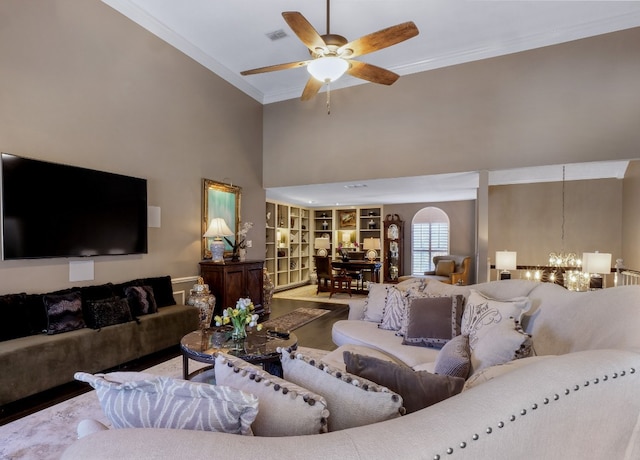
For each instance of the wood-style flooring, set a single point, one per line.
(316, 334)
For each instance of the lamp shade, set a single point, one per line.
(217, 228)
(596, 262)
(327, 69)
(506, 260)
(322, 244)
(371, 243)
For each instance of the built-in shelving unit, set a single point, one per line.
(288, 244)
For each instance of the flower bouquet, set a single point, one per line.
(240, 317)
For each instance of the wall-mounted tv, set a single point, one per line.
(56, 210)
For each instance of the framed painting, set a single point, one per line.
(347, 219)
(219, 200)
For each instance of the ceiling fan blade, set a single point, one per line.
(372, 73)
(311, 89)
(379, 40)
(304, 30)
(273, 68)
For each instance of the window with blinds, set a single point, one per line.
(430, 237)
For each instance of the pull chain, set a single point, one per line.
(328, 98)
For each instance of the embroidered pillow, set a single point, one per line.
(394, 307)
(141, 300)
(285, 409)
(419, 389)
(64, 312)
(493, 327)
(163, 402)
(454, 358)
(352, 401)
(432, 321)
(374, 305)
(106, 312)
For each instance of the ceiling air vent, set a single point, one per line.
(276, 34)
(355, 186)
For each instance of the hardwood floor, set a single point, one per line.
(316, 334)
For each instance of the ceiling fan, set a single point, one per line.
(332, 55)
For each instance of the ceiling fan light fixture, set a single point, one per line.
(327, 69)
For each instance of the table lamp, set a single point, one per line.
(217, 229)
(596, 264)
(505, 261)
(371, 245)
(322, 244)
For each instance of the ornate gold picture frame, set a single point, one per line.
(219, 200)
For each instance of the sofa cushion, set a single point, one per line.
(106, 312)
(15, 318)
(335, 358)
(64, 312)
(489, 373)
(394, 309)
(445, 267)
(419, 389)
(494, 331)
(431, 321)
(141, 300)
(352, 401)
(162, 290)
(285, 409)
(374, 304)
(163, 402)
(454, 358)
(369, 335)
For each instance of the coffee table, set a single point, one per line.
(260, 347)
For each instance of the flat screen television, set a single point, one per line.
(55, 210)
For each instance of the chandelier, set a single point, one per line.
(562, 259)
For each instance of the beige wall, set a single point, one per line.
(462, 216)
(631, 217)
(573, 102)
(528, 219)
(83, 85)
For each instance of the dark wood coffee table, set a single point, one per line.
(260, 347)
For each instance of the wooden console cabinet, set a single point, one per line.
(234, 280)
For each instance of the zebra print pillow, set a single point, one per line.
(163, 402)
(394, 310)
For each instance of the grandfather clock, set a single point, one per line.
(393, 236)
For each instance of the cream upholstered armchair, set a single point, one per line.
(451, 269)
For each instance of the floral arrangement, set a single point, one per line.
(241, 241)
(240, 317)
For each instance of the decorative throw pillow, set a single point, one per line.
(418, 284)
(141, 300)
(162, 290)
(432, 321)
(163, 402)
(285, 409)
(374, 306)
(106, 312)
(445, 267)
(393, 310)
(64, 312)
(454, 358)
(15, 320)
(495, 336)
(489, 373)
(352, 401)
(419, 389)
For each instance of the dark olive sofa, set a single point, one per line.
(33, 359)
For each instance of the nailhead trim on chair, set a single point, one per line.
(534, 406)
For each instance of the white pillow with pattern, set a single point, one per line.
(163, 402)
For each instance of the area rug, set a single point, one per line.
(308, 293)
(295, 319)
(47, 433)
